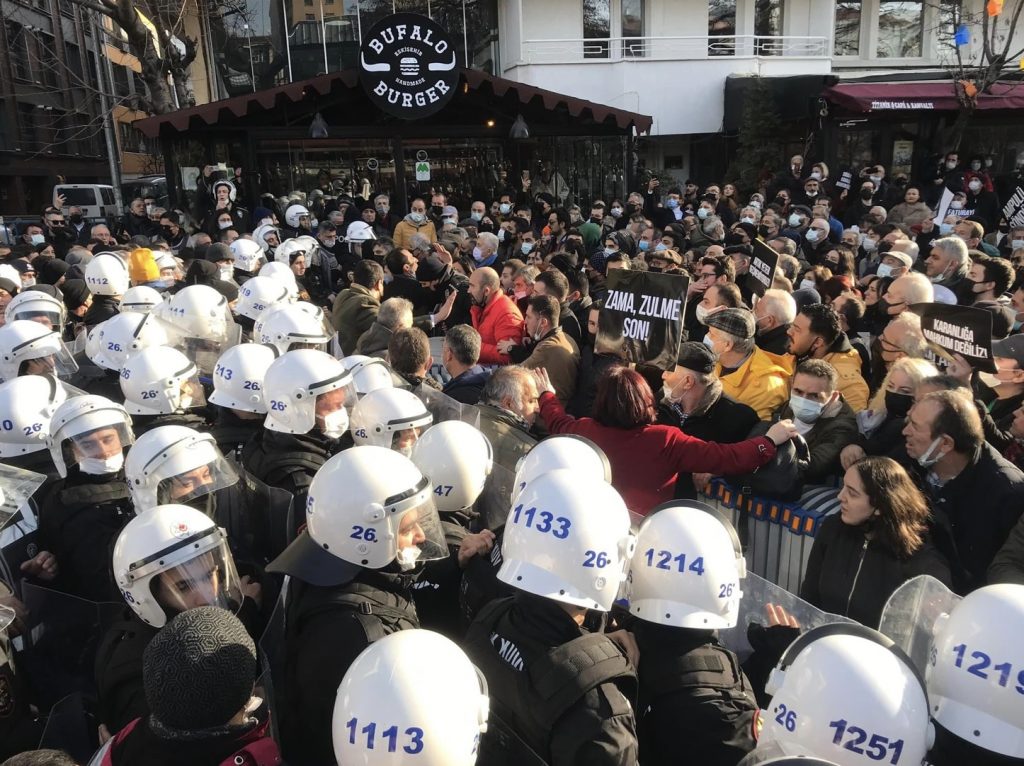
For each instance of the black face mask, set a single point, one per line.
(168, 231)
(732, 238)
(76, 219)
(866, 194)
(631, 209)
(436, 209)
(897, 404)
(764, 232)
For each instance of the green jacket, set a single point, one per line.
(355, 311)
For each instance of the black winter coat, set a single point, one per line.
(852, 575)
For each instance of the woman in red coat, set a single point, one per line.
(646, 458)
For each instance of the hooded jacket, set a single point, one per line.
(407, 227)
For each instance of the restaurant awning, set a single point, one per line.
(473, 82)
(868, 97)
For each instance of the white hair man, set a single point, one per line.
(774, 312)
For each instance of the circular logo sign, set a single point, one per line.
(407, 65)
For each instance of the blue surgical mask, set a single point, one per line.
(610, 251)
(672, 203)
(38, 239)
(747, 219)
(526, 247)
(477, 254)
(805, 410)
(616, 212)
(1016, 244)
(644, 245)
(811, 235)
(794, 220)
(504, 208)
(476, 216)
(660, 246)
(417, 217)
(702, 213)
(945, 229)
(709, 343)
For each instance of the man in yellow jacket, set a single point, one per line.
(748, 374)
(816, 334)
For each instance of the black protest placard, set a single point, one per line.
(642, 318)
(962, 330)
(762, 268)
(1013, 210)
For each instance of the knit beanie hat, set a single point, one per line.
(76, 293)
(198, 671)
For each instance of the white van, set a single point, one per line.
(96, 200)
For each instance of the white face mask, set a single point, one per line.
(927, 460)
(97, 466)
(28, 281)
(808, 284)
(407, 557)
(884, 270)
(989, 379)
(335, 424)
(224, 224)
(805, 410)
(227, 273)
(501, 235)
(702, 314)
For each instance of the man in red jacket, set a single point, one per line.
(495, 316)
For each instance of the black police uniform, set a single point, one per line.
(692, 690)
(437, 588)
(289, 461)
(567, 694)
(144, 423)
(480, 585)
(80, 517)
(950, 750)
(327, 627)
(232, 433)
(96, 380)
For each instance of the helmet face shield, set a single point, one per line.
(105, 442)
(417, 530)
(209, 579)
(203, 479)
(46, 356)
(49, 319)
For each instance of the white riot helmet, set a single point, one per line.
(457, 459)
(91, 432)
(259, 294)
(359, 231)
(260, 235)
(171, 559)
(390, 417)
(567, 451)
(26, 406)
(843, 684)
(370, 374)
(568, 539)
(294, 213)
(687, 568)
(292, 385)
(288, 326)
(283, 274)
(141, 299)
(121, 336)
(238, 377)
(160, 381)
(107, 274)
(197, 311)
(24, 341)
(174, 464)
(249, 256)
(426, 688)
(366, 507)
(228, 184)
(976, 670)
(291, 249)
(37, 306)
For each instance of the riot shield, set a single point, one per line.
(910, 615)
(494, 502)
(18, 543)
(437, 370)
(71, 727)
(271, 682)
(443, 407)
(59, 646)
(758, 594)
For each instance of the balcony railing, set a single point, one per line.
(571, 51)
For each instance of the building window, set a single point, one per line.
(847, 36)
(900, 28)
(721, 27)
(768, 18)
(17, 44)
(597, 27)
(632, 27)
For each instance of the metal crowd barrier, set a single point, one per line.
(777, 536)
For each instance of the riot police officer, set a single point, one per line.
(27, 404)
(161, 387)
(309, 394)
(31, 348)
(106, 276)
(109, 346)
(370, 522)
(683, 586)
(199, 321)
(255, 296)
(292, 326)
(81, 514)
(457, 459)
(563, 693)
(238, 396)
(390, 417)
(436, 705)
(167, 560)
(369, 373)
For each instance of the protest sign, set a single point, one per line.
(642, 319)
(1013, 210)
(962, 330)
(845, 180)
(762, 268)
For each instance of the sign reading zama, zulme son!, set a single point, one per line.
(407, 66)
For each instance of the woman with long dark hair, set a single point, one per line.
(646, 458)
(877, 541)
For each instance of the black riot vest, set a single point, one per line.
(532, 685)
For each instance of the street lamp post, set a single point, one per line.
(252, 68)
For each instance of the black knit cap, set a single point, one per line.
(697, 357)
(198, 671)
(76, 293)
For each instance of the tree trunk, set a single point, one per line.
(955, 133)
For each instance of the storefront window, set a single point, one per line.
(721, 27)
(900, 27)
(847, 35)
(597, 26)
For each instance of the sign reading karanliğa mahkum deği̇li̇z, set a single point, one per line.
(407, 65)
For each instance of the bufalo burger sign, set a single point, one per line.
(407, 65)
